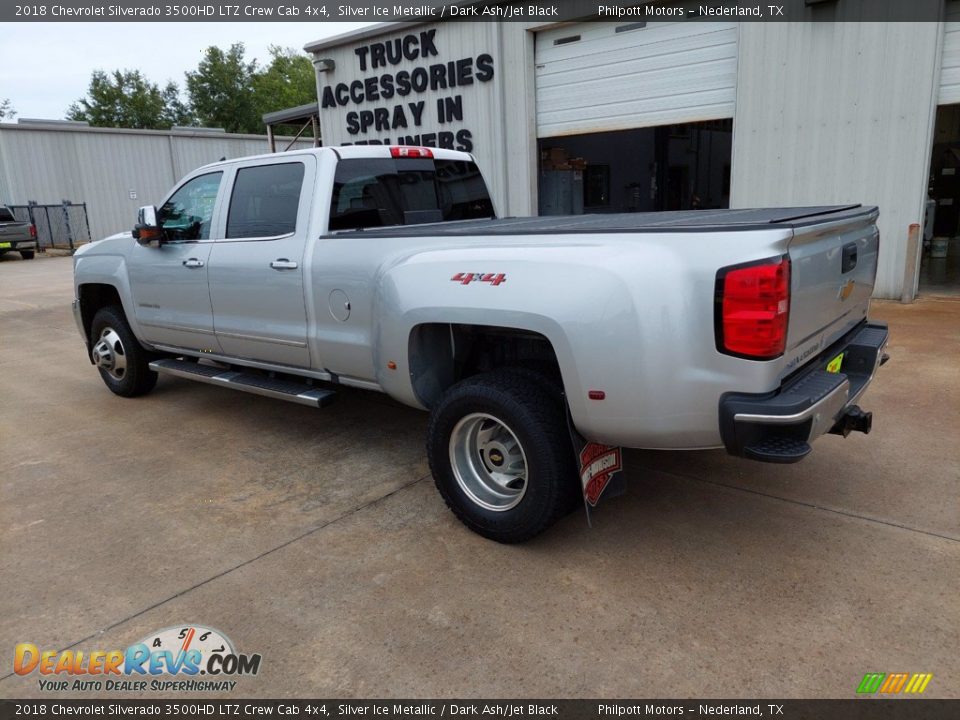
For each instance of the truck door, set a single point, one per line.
(169, 282)
(256, 269)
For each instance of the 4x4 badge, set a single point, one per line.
(467, 278)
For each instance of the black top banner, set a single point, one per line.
(433, 11)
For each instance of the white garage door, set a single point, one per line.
(594, 77)
(950, 68)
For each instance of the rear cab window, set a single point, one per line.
(6, 214)
(379, 192)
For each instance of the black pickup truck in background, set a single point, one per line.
(16, 235)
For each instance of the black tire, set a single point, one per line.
(534, 412)
(27, 254)
(136, 378)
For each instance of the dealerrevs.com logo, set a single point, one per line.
(176, 659)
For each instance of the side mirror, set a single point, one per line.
(148, 231)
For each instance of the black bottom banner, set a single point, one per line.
(855, 709)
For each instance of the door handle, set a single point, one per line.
(193, 263)
(849, 260)
(283, 264)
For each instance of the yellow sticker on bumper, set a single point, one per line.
(834, 365)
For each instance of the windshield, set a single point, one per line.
(376, 192)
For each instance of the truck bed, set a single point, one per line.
(680, 220)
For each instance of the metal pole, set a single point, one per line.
(316, 131)
(33, 221)
(46, 211)
(910, 274)
(296, 137)
(66, 220)
(86, 221)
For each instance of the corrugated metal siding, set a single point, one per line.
(950, 68)
(101, 168)
(483, 102)
(844, 117)
(660, 74)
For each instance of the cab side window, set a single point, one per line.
(187, 215)
(265, 201)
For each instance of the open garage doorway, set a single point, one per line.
(673, 167)
(940, 259)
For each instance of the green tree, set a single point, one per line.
(287, 81)
(221, 91)
(125, 98)
(6, 109)
(175, 110)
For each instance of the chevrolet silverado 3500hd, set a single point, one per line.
(386, 268)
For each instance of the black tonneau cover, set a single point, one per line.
(685, 220)
(679, 220)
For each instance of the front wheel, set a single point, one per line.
(501, 455)
(122, 361)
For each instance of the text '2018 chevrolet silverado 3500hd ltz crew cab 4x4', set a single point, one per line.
(386, 268)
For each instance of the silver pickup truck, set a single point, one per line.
(17, 235)
(386, 268)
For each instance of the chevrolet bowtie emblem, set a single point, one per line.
(846, 289)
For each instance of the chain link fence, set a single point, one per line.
(58, 226)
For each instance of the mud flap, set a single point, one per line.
(599, 467)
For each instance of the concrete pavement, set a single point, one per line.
(316, 539)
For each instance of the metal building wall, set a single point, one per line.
(839, 112)
(518, 45)
(484, 107)
(826, 112)
(101, 166)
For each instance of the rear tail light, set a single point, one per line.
(33, 231)
(411, 152)
(752, 308)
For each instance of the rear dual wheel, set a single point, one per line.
(501, 455)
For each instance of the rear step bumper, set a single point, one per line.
(289, 390)
(779, 426)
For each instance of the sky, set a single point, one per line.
(44, 67)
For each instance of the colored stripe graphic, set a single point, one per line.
(871, 683)
(894, 683)
(918, 683)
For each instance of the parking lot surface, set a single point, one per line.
(316, 539)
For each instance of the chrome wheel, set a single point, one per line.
(488, 462)
(108, 354)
